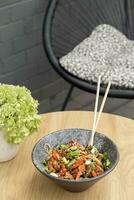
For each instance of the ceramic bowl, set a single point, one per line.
(101, 141)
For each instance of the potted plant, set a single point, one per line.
(18, 118)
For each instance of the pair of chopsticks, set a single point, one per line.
(97, 119)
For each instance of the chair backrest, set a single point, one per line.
(74, 20)
(67, 22)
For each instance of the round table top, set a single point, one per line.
(20, 180)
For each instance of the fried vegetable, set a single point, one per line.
(75, 153)
(55, 155)
(74, 161)
(64, 146)
(94, 174)
(94, 150)
(65, 160)
(46, 169)
(78, 163)
(71, 163)
(106, 161)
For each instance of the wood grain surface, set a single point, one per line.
(20, 180)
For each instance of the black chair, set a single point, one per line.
(68, 22)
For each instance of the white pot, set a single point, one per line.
(7, 151)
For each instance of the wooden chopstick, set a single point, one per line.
(95, 110)
(102, 105)
(96, 122)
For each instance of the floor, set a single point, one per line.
(81, 100)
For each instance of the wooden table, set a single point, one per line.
(19, 180)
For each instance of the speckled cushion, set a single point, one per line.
(106, 52)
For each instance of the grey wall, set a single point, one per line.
(22, 58)
(23, 62)
(7, 2)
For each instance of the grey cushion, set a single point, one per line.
(106, 52)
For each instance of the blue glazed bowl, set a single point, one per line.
(102, 142)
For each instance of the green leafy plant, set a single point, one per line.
(18, 113)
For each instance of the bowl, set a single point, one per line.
(101, 141)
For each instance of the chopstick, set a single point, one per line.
(96, 121)
(95, 109)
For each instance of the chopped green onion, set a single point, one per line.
(89, 147)
(71, 163)
(77, 157)
(82, 148)
(46, 169)
(105, 154)
(108, 163)
(73, 148)
(75, 153)
(45, 162)
(65, 160)
(64, 146)
(94, 150)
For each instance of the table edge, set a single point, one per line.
(86, 111)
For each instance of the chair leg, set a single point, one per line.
(67, 98)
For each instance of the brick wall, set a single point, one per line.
(22, 58)
(23, 61)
